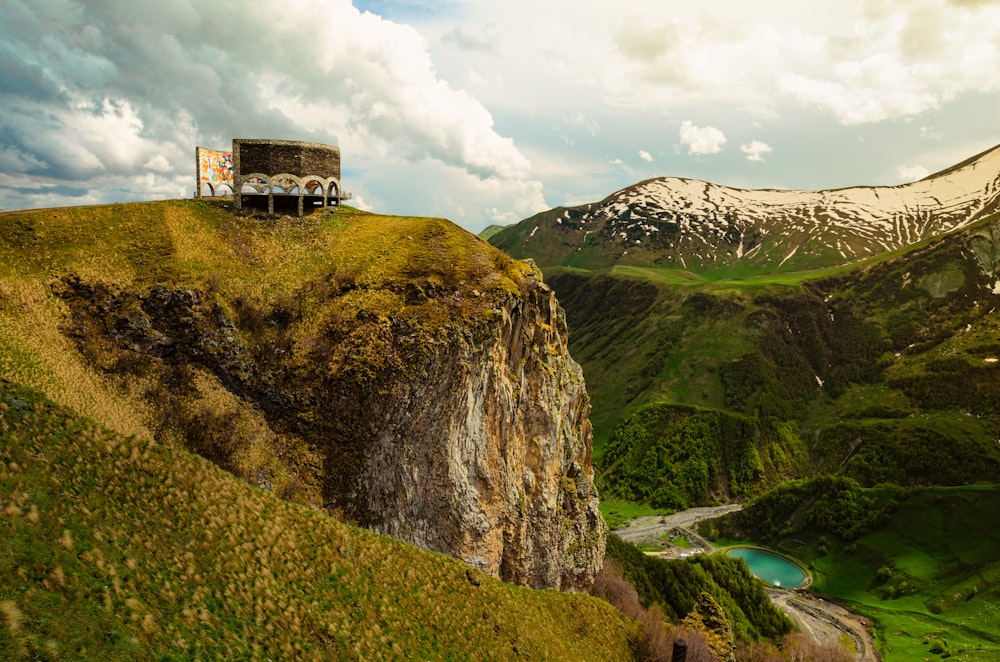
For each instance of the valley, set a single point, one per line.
(823, 621)
(792, 370)
(397, 376)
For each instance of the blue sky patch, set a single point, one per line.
(404, 10)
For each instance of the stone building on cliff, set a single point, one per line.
(272, 174)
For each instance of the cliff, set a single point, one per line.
(487, 455)
(397, 372)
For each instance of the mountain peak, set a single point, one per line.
(701, 226)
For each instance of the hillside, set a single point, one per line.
(720, 231)
(119, 548)
(352, 369)
(706, 391)
(921, 563)
(396, 372)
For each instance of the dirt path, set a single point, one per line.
(826, 622)
(651, 528)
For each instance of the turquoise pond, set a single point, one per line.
(773, 569)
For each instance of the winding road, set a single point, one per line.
(824, 622)
(651, 528)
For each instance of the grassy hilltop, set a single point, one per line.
(258, 271)
(261, 316)
(118, 542)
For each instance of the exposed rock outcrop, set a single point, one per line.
(487, 455)
(465, 433)
(708, 617)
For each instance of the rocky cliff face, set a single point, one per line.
(487, 455)
(455, 420)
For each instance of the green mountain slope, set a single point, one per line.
(886, 372)
(117, 548)
(921, 563)
(489, 231)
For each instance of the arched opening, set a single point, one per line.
(254, 191)
(313, 196)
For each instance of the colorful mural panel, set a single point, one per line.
(215, 167)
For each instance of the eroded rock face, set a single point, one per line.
(469, 437)
(487, 456)
(711, 619)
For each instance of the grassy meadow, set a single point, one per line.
(928, 577)
(920, 563)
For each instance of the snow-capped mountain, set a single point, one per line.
(700, 226)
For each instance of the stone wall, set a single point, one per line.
(310, 169)
(274, 157)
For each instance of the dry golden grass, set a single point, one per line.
(201, 245)
(34, 352)
(118, 548)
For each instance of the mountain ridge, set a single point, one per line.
(704, 227)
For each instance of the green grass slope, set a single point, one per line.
(489, 231)
(288, 306)
(117, 548)
(706, 390)
(921, 564)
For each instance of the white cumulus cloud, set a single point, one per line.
(701, 139)
(158, 163)
(755, 150)
(902, 61)
(911, 173)
(113, 96)
(645, 156)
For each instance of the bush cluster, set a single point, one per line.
(825, 504)
(676, 457)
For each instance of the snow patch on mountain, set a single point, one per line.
(679, 217)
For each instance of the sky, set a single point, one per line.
(487, 112)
